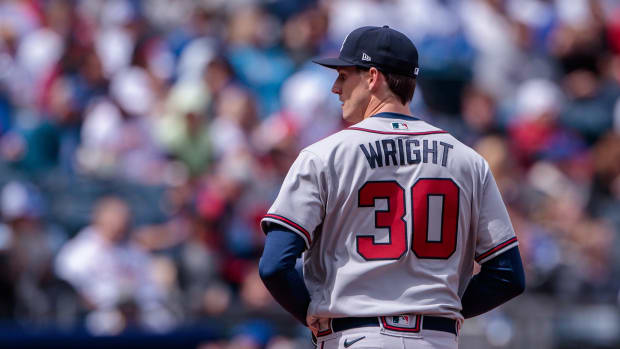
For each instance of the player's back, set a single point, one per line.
(400, 224)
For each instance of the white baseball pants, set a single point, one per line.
(372, 338)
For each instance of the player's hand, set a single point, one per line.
(313, 324)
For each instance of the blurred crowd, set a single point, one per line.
(141, 142)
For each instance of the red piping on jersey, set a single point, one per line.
(288, 221)
(402, 329)
(396, 133)
(496, 248)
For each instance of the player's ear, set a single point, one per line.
(373, 78)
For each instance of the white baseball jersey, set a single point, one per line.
(394, 212)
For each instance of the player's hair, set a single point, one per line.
(402, 86)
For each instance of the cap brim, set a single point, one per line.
(333, 62)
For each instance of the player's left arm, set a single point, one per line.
(279, 274)
(500, 279)
(289, 224)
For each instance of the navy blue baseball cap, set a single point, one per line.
(384, 48)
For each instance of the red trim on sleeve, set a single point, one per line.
(396, 133)
(290, 222)
(496, 248)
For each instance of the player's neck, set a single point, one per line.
(386, 106)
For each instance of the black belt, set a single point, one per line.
(429, 322)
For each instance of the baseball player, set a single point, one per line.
(390, 215)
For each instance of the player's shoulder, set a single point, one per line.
(339, 141)
(327, 145)
(466, 151)
(466, 156)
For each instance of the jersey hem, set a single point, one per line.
(298, 229)
(497, 250)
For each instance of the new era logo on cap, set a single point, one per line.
(366, 57)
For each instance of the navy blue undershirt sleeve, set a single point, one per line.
(500, 279)
(279, 274)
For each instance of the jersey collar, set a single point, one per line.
(389, 115)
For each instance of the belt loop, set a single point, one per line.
(327, 331)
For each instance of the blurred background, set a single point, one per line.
(141, 142)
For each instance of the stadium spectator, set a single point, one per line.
(113, 275)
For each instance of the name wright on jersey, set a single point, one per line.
(403, 151)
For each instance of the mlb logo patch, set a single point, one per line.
(401, 320)
(399, 126)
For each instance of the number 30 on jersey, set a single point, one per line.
(429, 240)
